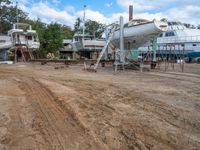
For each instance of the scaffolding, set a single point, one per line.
(170, 54)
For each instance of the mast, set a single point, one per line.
(84, 23)
(17, 13)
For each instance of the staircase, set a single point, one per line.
(27, 54)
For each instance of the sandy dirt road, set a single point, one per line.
(44, 108)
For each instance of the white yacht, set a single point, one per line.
(180, 38)
(177, 38)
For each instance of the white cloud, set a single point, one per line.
(92, 15)
(49, 14)
(185, 10)
(109, 4)
(187, 14)
(70, 9)
(56, 1)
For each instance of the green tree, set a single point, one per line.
(91, 27)
(40, 27)
(67, 32)
(53, 38)
(94, 28)
(77, 26)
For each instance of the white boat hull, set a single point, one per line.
(5, 42)
(136, 35)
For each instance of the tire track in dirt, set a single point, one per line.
(178, 119)
(59, 127)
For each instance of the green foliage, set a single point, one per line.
(77, 26)
(94, 28)
(40, 27)
(53, 37)
(67, 32)
(91, 27)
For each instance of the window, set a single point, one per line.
(169, 23)
(161, 35)
(35, 39)
(2, 41)
(169, 34)
(194, 44)
(29, 37)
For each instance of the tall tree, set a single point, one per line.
(40, 27)
(77, 26)
(53, 38)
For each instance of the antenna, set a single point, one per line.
(17, 13)
(84, 22)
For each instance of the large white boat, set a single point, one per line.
(177, 39)
(138, 32)
(180, 38)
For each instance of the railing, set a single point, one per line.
(182, 39)
(94, 42)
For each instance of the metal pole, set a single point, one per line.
(106, 53)
(17, 13)
(84, 23)
(121, 20)
(154, 49)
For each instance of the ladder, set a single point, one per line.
(29, 51)
(23, 56)
(105, 47)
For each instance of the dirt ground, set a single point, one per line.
(69, 108)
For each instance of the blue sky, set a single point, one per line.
(107, 11)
